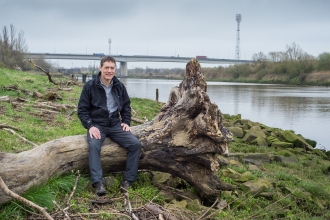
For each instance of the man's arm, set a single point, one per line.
(84, 108)
(125, 112)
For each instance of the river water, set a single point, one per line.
(304, 109)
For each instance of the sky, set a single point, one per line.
(184, 28)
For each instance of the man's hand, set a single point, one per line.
(125, 127)
(94, 132)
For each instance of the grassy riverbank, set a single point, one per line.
(288, 183)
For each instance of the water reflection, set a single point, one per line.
(304, 109)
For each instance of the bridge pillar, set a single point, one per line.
(123, 68)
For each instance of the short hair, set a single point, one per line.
(107, 59)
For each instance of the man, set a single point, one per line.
(104, 110)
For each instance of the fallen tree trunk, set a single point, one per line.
(183, 139)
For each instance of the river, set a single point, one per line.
(303, 109)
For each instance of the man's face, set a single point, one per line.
(108, 71)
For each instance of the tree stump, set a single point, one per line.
(184, 139)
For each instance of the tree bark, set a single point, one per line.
(184, 139)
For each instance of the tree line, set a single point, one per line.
(292, 62)
(13, 46)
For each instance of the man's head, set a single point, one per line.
(107, 59)
(107, 68)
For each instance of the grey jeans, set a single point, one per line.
(125, 139)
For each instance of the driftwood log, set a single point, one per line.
(184, 139)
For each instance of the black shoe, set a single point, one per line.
(100, 190)
(124, 185)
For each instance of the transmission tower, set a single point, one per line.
(109, 41)
(237, 51)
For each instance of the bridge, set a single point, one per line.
(124, 59)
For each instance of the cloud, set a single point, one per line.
(185, 27)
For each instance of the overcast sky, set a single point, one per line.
(169, 27)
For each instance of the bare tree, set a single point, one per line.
(294, 51)
(259, 56)
(12, 47)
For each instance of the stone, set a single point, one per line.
(194, 205)
(222, 204)
(281, 144)
(231, 174)
(256, 159)
(297, 141)
(180, 204)
(256, 187)
(253, 167)
(260, 142)
(237, 132)
(253, 133)
(160, 177)
(246, 176)
(235, 162)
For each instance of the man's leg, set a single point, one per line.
(94, 158)
(127, 140)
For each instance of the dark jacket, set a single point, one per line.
(92, 107)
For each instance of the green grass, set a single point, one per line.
(300, 190)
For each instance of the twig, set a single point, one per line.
(112, 213)
(8, 126)
(127, 202)
(47, 73)
(73, 190)
(138, 120)
(216, 201)
(65, 214)
(21, 137)
(10, 193)
(270, 205)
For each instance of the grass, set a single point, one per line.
(299, 190)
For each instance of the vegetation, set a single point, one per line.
(292, 65)
(297, 191)
(12, 49)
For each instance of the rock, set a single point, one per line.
(282, 144)
(270, 139)
(235, 162)
(182, 204)
(168, 197)
(108, 181)
(282, 159)
(284, 153)
(246, 177)
(222, 160)
(253, 133)
(260, 142)
(194, 206)
(255, 187)
(253, 167)
(256, 159)
(231, 174)
(160, 178)
(237, 132)
(297, 141)
(222, 204)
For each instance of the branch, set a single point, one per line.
(4, 98)
(23, 200)
(73, 190)
(8, 126)
(47, 73)
(21, 137)
(65, 214)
